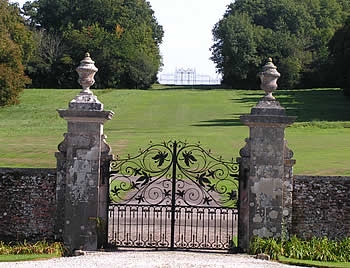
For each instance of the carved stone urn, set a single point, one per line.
(86, 100)
(269, 77)
(86, 71)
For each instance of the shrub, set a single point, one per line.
(316, 249)
(40, 247)
(268, 246)
(342, 250)
(295, 248)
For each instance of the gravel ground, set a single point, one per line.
(145, 259)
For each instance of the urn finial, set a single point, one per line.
(86, 71)
(269, 77)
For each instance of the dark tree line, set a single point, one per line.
(43, 42)
(339, 62)
(296, 34)
(123, 37)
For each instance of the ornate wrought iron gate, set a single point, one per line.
(173, 195)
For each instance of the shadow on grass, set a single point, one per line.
(220, 122)
(309, 105)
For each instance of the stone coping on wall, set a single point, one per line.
(320, 177)
(27, 171)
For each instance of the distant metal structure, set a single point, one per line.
(187, 77)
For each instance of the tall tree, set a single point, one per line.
(123, 37)
(15, 49)
(295, 33)
(236, 49)
(339, 62)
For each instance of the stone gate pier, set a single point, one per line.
(82, 168)
(266, 182)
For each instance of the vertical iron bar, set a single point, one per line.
(137, 240)
(154, 223)
(173, 195)
(215, 234)
(208, 228)
(220, 228)
(185, 227)
(161, 225)
(130, 226)
(238, 204)
(178, 233)
(203, 228)
(149, 233)
(118, 223)
(142, 234)
(228, 223)
(191, 226)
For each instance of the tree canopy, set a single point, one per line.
(123, 37)
(339, 63)
(294, 33)
(15, 49)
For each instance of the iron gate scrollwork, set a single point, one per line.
(173, 195)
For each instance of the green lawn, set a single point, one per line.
(26, 257)
(307, 263)
(31, 131)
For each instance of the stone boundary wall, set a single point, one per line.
(321, 207)
(27, 204)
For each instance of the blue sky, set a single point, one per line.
(187, 39)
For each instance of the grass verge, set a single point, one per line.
(26, 257)
(24, 251)
(298, 262)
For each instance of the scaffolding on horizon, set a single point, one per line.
(187, 77)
